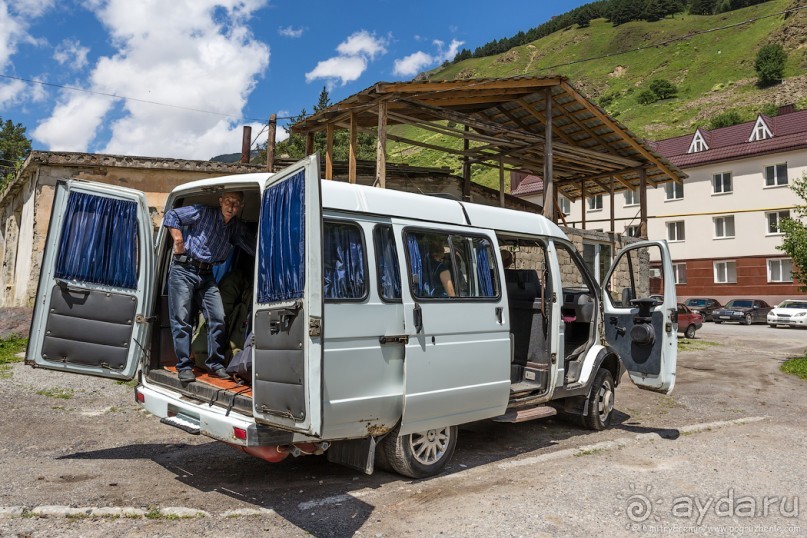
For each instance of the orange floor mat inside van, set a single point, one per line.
(229, 385)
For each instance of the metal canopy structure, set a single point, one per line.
(536, 125)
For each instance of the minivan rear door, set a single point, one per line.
(93, 300)
(639, 304)
(288, 302)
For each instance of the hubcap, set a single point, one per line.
(605, 401)
(429, 447)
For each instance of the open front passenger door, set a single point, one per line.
(93, 300)
(288, 305)
(639, 305)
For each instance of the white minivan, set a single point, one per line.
(360, 350)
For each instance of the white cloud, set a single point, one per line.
(362, 43)
(288, 31)
(346, 68)
(413, 64)
(11, 93)
(194, 54)
(418, 61)
(354, 54)
(71, 53)
(32, 8)
(12, 31)
(14, 21)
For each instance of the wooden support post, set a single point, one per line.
(351, 169)
(611, 196)
(501, 181)
(643, 203)
(270, 143)
(466, 169)
(309, 143)
(246, 144)
(381, 147)
(329, 151)
(549, 186)
(585, 203)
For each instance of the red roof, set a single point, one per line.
(529, 185)
(789, 132)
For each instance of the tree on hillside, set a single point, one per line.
(703, 7)
(794, 243)
(14, 147)
(770, 64)
(623, 11)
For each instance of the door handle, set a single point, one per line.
(499, 311)
(417, 315)
(67, 287)
(397, 339)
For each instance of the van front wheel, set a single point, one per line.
(600, 401)
(421, 454)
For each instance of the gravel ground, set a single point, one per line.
(733, 430)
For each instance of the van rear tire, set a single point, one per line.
(421, 454)
(600, 402)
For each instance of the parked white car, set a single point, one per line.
(790, 312)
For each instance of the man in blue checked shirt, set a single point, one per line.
(203, 237)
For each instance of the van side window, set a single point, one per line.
(387, 267)
(445, 265)
(344, 272)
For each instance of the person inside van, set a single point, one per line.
(203, 237)
(507, 259)
(441, 270)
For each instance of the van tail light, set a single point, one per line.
(140, 397)
(240, 433)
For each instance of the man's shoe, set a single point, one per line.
(221, 373)
(186, 376)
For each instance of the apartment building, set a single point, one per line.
(722, 222)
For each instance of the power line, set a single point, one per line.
(134, 99)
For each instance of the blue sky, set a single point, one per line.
(219, 64)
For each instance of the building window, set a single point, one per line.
(595, 202)
(698, 143)
(721, 183)
(632, 197)
(680, 273)
(724, 227)
(761, 131)
(775, 175)
(725, 272)
(780, 270)
(633, 230)
(597, 257)
(565, 205)
(775, 221)
(674, 190)
(675, 231)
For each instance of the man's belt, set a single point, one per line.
(184, 259)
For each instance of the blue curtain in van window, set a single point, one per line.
(389, 272)
(483, 269)
(343, 271)
(99, 241)
(420, 267)
(281, 250)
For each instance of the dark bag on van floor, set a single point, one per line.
(241, 365)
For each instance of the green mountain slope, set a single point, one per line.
(714, 72)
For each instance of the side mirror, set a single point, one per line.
(627, 296)
(756, 307)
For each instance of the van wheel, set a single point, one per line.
(690, 332)
(422, 454)
(600, 401)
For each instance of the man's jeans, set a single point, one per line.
(188, 285)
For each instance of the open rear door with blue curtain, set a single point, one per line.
(287, 367)
(95, 283)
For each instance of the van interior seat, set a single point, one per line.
(526, 320)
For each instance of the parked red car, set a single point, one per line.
(688, 321)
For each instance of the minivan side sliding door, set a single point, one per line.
(288, 302)
(457, 363)
(93, 300)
